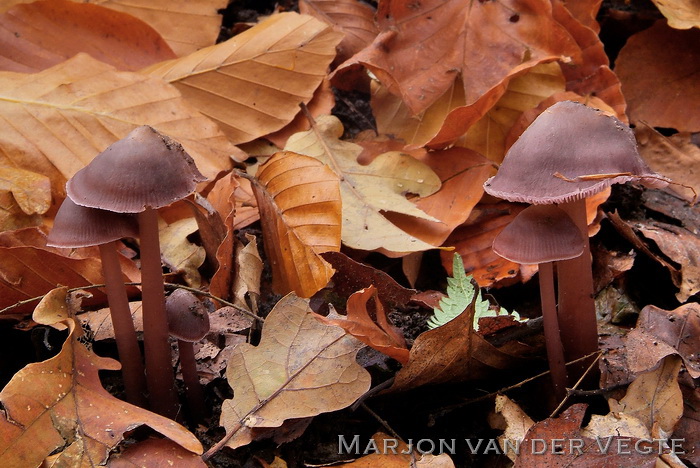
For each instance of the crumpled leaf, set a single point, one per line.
(300, 210)
(354, 19)
(156, 453)
(379, 333)
(179, 254)
(301, 368)
(424, 46)
(681, 14)
(666, 60)
(246, 284)
(252, 84)
(368, 190)
(517, 423)
(42, 34)
(23, 196)
(55, 121)
(60, 405)
(660, 333)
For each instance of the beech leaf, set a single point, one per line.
(252, 84)
(368, 190)
(59, 405)
(299, 202)
(301, 368)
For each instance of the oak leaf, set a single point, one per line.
(424, 46)
(379, 333)
(300, 210)
(368, 190)
(252, 84)
(301, 368)
(156, 453)
(59, 405)
(55, 121)
(45, 33)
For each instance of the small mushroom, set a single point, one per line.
(188, 321)
(568, 153)
(140, 173)
(78, 226)
(543, 234)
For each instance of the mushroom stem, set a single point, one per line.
(124, 332)
(555, 350)
(577, 317)
(193, 389)
(159, 371)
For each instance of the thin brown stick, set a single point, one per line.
(578, 382)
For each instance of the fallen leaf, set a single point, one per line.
(178, 253)
(55, 121)
(368, 190)
(660, 333)
(422, 47)
(45, 33)
(676, 157)
(586, 12)
(301, 368)
(156, 453)
(378, 333)
(517, 423)
(99, 322)
(654, 397)
(250, 268)
(688, 428)
(667, 61)
(59, 405)
(384, 451)
(23, 196)
(252, 84)
(681, 14)
(354, 19)
(300, 210)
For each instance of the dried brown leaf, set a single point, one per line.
(681, 14)
(156, 453)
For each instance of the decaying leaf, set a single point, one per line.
(156, 453)
(385, 451)
(45, 33)
(179, 254)
(59, 405)
(517, 423)
(23, 194)
(55, 121)
(250, 268)
(300, 368)
(660, 333)
(379, 333)
(667, 61)
(681, 14)
(252, 84)
(366, 191)
(300, 210)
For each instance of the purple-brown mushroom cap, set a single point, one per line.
(571, 140)
(80, 226)
(145, 169)
(188, 318)
(540, 234)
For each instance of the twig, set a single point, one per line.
(578, 382)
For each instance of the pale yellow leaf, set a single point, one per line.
(55, 121)
(300, 211)
(301, 368)
(249, 271)
(681, 14)
(178, 253)
(368, 190)
(252, 84)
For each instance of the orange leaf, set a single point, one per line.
(59, 405)
(300, 210)
(45, 33)
(380, 335)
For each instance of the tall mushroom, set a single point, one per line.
(140, 173)
(543, 234)
(568, 153)
(188, 321)
(78, 226)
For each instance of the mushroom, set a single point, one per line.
(542, 234)
(78, 226)
(140, 173)
(188, 321)
(568, 153)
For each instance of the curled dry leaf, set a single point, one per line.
(666, 60)
(517, 423)
(55, 121)
(178, 253)
(301, 368)
(300, 210)
(47, 32)
(681, 14)
(660, 333)
(156, 453)
(59, 405)
(368, 190)
(586, 12)
(379, 333)
(252, 84)
(423, 47)
(23, 194)
(246, 284)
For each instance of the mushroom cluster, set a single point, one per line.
(131, 179)
(568, 153)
